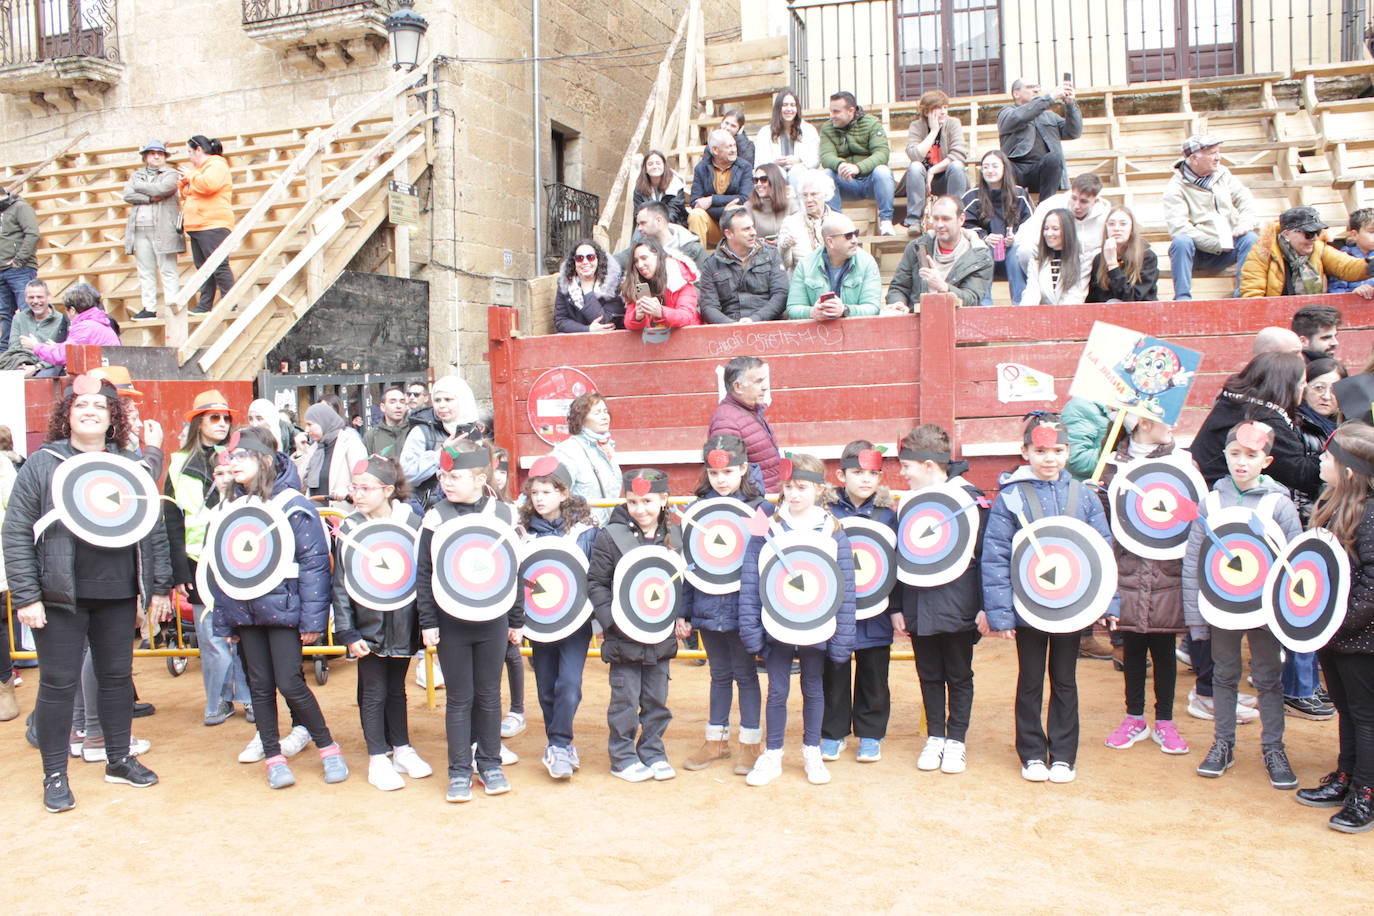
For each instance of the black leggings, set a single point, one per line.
(203, 244)
(1350, 681)
(6, 663)
(272, 661)
(472, 656)
(109, 628)
(515, 675)
(382, 702)
(1160, 648)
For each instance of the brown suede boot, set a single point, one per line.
(711, 750)
(9, 706)
(745, 757)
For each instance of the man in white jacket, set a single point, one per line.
(1089, 209)
(1210, 215)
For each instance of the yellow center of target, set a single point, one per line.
(475, 565)
(1302, 587)
(1241, 570)
(865, 567)
(549, 594)
(721, 541)
(1159, 505)
(387, 565)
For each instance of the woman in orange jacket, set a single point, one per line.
(1292, 259)
(207, 191)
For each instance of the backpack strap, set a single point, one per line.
(1075, 498)
(624, 539)
(1030, 501)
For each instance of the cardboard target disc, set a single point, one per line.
(1306, 609)
(714, 538)
(875, 564)
(205, 582)
(475, 567)
(937, 530)
(106, 500)
(553, 580)
(1070, 582)
(1153, 504)
(379, 564)
(646, 593)
(1230, 590)
(250, 548)
(799, 607)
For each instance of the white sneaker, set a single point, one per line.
(817, 773)
(1035, 771)
(513, 724)
(382, 774)
(930, 754)
(1245, 714)
(662, 770)
(952, 760)
(97, 754)
(295, 741)
(1248, 700)
(1062, 772)
(405, 760)
(252, 752)
(1200, 707)
(508, 756)
(635, 772)
(766, 769)
(885, 228)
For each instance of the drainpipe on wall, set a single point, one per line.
(538, 145)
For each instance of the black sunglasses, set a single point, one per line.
(847, 235)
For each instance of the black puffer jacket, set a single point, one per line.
(46, 571)
(617, 648)
(1294, 466)
(1356, 635)
(391, 634)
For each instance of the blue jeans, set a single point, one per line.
(1300, 675)
(1184, 257)
(877, 185)
(220, 668)
(1015, 266)
(812, 663)
(952, 181)
(731, 665)
(12, 283)
(558, 668)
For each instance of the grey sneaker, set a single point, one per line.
(130, 772)
(57, 793)
(557, 762)
(335, 767)
(494, 781)
(1281, 775)
(279, 775)
(459, 789)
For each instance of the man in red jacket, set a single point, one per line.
(741, 414)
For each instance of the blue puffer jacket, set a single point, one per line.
(875, 631)
(718, 613)
(751, 630)
(302, 602)
(1002, 525)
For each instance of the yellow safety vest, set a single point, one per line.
(189, 493)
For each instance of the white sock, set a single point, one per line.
(750, 735)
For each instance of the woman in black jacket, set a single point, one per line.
(659, 182)
(588, 297)
(1126, 270)
(72, 593)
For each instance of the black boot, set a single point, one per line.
(1358, 814)
(1330, 794)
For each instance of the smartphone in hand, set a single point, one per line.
(641, 291)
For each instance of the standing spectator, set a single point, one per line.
(720, 182)
(1031, 135)
(18, 254)
(9, 706)
(995, 209)
(1359, 243)
(1293, 259)
(1209, 213)
(743, 280)
(589, 452)
(337, 450)
(1089, 209)
(588, 297)
(801, 232)
(732, 122)
(771, 203)
(740, 413)
(208, 190)
(387, 437)
(263, 413)
(452, 417)
(658, 182)
(947, 259)
(89, 325)
(855, 152)
(417, 397)
(153, 232)
(651, 222)
(1125, 270)
(1318, 326)
(837, 279)
(787, 141)
(41, 322)
(1058, 273)
(669, 281)
(935, 147)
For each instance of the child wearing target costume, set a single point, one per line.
(943, 621)
(803, 508)
(1249, 450)
(1041, 489)
(716, 617)
(857, 697)
(271, 628)
(551, 510)
(639, 671)
(1348, 658)
(472, 653)
(382, 641)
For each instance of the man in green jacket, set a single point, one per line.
(948, 259)
(18, 255)
(836, 280)
(854, 151)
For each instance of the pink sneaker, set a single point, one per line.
(1131, 730)
(1167, 737)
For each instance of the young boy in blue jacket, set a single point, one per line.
(1042, 488)
(1359, 243)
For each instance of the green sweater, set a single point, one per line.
(863, 142)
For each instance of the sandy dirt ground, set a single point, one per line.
(1137, 832)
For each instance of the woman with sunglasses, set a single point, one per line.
(588, 297)
(1293, 258)
(771, 202)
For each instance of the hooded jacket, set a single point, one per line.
(208, 191)
(876, 630)
(1356, 633)
(18, 233)
(731, 288)
(863, 141)
(90, 327)
(1334, 284)
(861, 289)
(1209, 216)
(390, 634)
(1089, 229)
(969, 278)
(616, 647)
(575, 309)
(674, 198)
(679, 300)
(1266, 270)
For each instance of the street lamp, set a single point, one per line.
(405, 28)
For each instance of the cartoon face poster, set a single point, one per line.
(1143, 375)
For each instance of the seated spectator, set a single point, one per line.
(721, 181)
(207, 188)
(651, 222)
(1058, 272)
(18, 254)
(732, 122)
(1210, 215)
(659, 292)
(1031, 135)
(153, 231)
(588, 297)
(88, 325)
(1292, 259)
(770, 203)
(1089, 212)
(40, 322)
(1125, 270)
(788, 142)
(836, 280)
(854, 150)
(743, 280)
(801, 232)
(935, 147)
(995, 209)
(947, 259)
(1359, 243)
(1317, 326)
(658, 182)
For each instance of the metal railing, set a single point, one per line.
(267, 10)
(39, 30)
(798, 71)
(572, 216)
